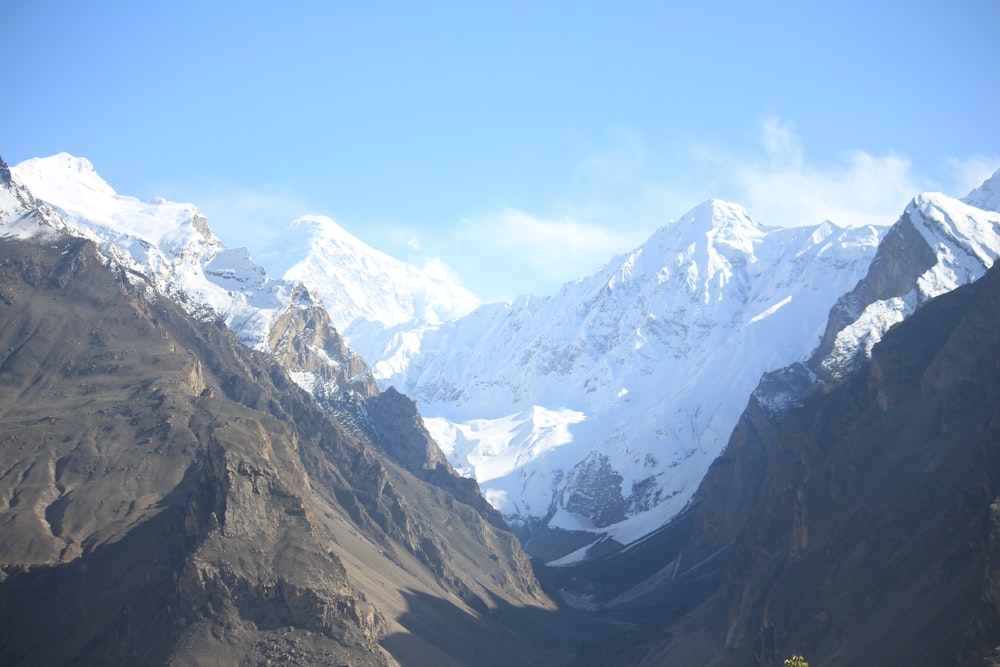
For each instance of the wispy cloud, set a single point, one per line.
(781, 185)
(627, 182)
(969, 173)
(242, 214)
(623, 190)
(435, 266)
(510, 252)
(786, 189)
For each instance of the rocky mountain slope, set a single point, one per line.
(172, 497)
(823, 528)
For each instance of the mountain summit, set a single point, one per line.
(357, 282)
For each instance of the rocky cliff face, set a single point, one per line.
(873, 543)
(305, 343)
(902, 257)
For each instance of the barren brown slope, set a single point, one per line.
(167, 496)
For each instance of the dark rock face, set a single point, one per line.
(875, 510)
(171, 497)
(398, 430)
(596, 491)
(304, 339)
(4, 174)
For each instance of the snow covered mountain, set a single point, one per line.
(987, 195)
(170, 246)
(595, 413)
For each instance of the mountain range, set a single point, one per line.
(589, 417)
(163, 394)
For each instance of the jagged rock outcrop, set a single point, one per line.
(902, 257)
(305, 343)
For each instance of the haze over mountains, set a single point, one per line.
(590, 419)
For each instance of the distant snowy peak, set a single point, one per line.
(714, 222)
(360, 284)
(63, 172)
(716, 217)
(701, 248)
(987, 195)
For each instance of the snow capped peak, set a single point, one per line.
(719, 215)
(318, 229)
(965, 239)
(169, 249)
(79, 194)
(360, 284)
(825, 230)
(987, 195)
(938, 244)
(723, 214)
(718, 222)
(63, 171)
(599, 409)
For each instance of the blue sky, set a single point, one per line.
(514, 145)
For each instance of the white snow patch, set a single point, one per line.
(772, 310)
